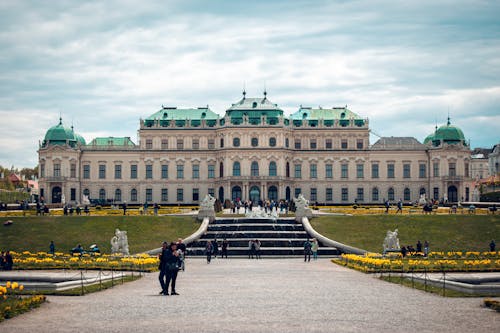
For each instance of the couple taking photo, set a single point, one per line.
(171, 260)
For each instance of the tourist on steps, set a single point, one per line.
(225, 245)
(257, 249)
(307, 250)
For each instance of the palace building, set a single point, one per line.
(254, 152)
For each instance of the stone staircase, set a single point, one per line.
(279, 238)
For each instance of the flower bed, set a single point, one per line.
(13, 304)
(435, 262)
(44, 260)
(133, 211)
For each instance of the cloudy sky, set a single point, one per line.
(104, 65)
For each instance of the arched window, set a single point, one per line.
(221, 170)
(118, 195)
(273, 193)
(422, 191)
(255, 142)
(86, 192)
(407, 194)
(222, 142)
(102, 194)
(375, 194)
(133, 195)
(236, 169)
(390, 194)
(236, 142)
(272, 169)
(254, 170)
(272, 142)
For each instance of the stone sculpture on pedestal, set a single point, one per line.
(302, 208)
(207, 208)
(391, 242)
(119, 242)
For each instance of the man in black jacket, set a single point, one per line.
(163, 267)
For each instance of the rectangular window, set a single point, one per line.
(360, 171)
(345, 194)
(359, 143)
(313, 171)
(211, 191)
(149, 144)
(164, 171)
(211, 171)
(314, 194)
(42, 170)
(467, 194)
(133, 195)
(361, 194)
(466, 166)
(344, 171)
(164, 144)
(328, 144)
(390, 170)
(436, 193)
(86, 171)
(329, 194)
(196, 143)
(180, 144)
(313, 144)
(375, 194)
(211, 144)
(73, 194)
(298, 191)
(196, 171)
(72, 170)
(133, 171)
(406, 171)
(118, 171)
(374, 170)
(180, 194)
(298, 171)
(422, 170)
(196, 194)
(164, 194)
(298, 144)
(149, 194)
(435, 169)
(149, 171)
(180, 171)
(102, 171)
(57, 170)
(329, 171)
(343, 144)
(452, 169)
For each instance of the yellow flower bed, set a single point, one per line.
(106, 211)
(12, 304)
(377, 210)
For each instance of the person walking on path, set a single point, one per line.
(315, 248)
(225, 245)
(257, 249)
(163, 267)
(426, 248)
(307, 250)
(208, 251)
(215, 248)
(52, 248)
(400, 207)
(251, 248)
(387, 205)
(419, 246)
(172, 264)
(492, 246)
(124, 206)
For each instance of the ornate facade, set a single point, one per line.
(254, 152)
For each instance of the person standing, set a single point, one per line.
(426, 248)
(387, 205)
(492, 246)
(52, 248)
(215, 248)
(400, 207)
(8, 261)
(225, 245)
(156, 207)
(208, 251)
(307, 250)
(251, 248)
(419, 246)
(315, 248)
(181, 247)
(257, 249)
(163, 268)
(145, 208)
(172, 264)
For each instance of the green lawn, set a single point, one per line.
(444, 232)
(144, 232)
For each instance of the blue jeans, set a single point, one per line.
(161, 277)
(315, 255)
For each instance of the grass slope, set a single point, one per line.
(444, 232)
(144, 232)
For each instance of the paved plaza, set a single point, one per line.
(270, 295)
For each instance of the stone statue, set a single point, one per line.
(207, 208)
(391, 241)
(422, 201)
(119, 242)
(302, 208)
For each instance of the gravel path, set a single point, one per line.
(271, 295)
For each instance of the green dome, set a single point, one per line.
(446, 134)
(61, 135)
(80, 139)
(429, 139)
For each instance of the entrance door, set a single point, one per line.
(452, 194)
(287, 194)
(221, 194)
(56, 194)
(254, 194)
(235, 193)
(273, 193)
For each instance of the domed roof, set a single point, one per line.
(61, 135)
(80, 139)
(429, 139)
(446, 134)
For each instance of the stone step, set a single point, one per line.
(249, 221)
(265, 242)
(255, 234)
(256, 227)
(266, 251)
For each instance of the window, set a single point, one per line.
(272, 169)
(133, 171)
(180, 144)
(312, 144)
(422, 170)
(57, 170)
(406, 194)
(211, 171)
(360, 171)
(222, 142)
(435, 169)
(298, 191)
(328, 144)
(374, 170)
(86, 192)
(422, 191)
(211, 191)
(180, 194)
(361, 194)
(406, 171)
(329, 194)
(375, 194)
(196, 171)
(133, 195)
(42, 170)
(272, 142)
(390, 170)
(254, 169)
(345, 194)
(73, 194)
(298, 171)
(436, 193)
(329, 171)
(72, 170)
(164, 171)
(211, 144)
(236, 169)
(118, 171)
(221, 170)
(343, 144)
(287, 143)
(466, 169)
(102, 194)
(196, 194)
(149, 194)
(102, 171)
(467, 194)
(118, 195)
(254, 142)
(344, 171)
(149, 171)
(196, 144)
(359, 144)
(313, 170)
(452, 169)
(164, 194)
(298, 144)
(180, 171)
(314, 194)
(164, 144)
(287, 171)
(149, 144)
(236, 142)
(86, 171)
(390, 194)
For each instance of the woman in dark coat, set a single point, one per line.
(172, 263)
